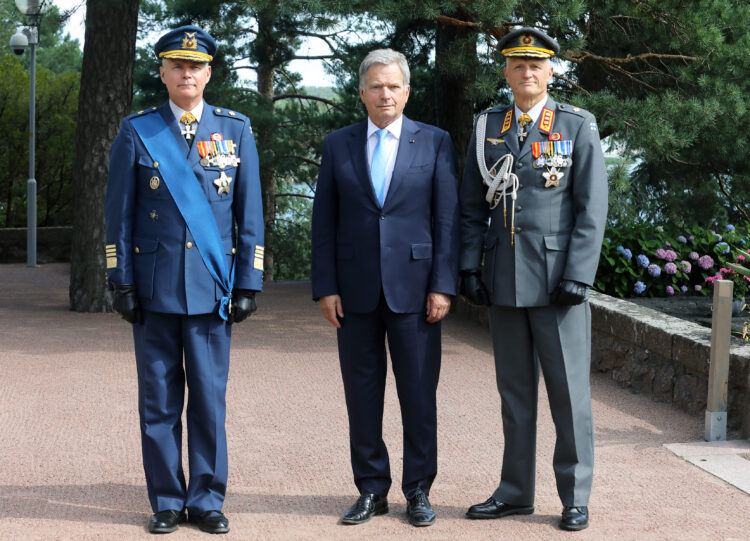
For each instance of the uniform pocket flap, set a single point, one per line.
(145, 246)
(146, 161)
(556, 242)
(344, 251)
(422, 250)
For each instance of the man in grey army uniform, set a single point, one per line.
(535, 171)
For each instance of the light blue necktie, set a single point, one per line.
(378, 166)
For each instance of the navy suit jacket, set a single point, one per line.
(410, 246)
(154, 247)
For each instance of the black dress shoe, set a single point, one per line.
(366, 506)
(419, 510)
(575, 518)
(495, 509)
(166, 521)
(211, 521)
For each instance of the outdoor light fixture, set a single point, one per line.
(29, 37)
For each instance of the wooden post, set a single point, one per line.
(718, 370)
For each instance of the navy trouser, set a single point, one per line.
(160, 343)
(414, 345)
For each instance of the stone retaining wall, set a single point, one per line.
(658, 355)
(52, 244)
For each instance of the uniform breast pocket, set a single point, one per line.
(150, 183)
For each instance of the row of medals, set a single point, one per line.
(554, 155)
(217, 153)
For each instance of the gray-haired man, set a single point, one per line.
(385, 263)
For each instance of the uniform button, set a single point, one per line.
(520, 186)
(156, 164)
(137, 250)
(519, 208)
(382, 216)
(518, 229)
(520, 165)
(189, 245)
(234, 250)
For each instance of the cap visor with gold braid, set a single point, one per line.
(186, 43)
(529, 43)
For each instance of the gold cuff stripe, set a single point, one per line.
(111, 262)
(187, 55)
(528, 51)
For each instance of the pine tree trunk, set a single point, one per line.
(455, 55)
(267, 47)
(104, 98)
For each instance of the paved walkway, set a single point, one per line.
(70, 465)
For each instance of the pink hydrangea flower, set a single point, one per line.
(661, 253)
(693, 255)
(670, 255)
(698, 287)
(670, 290)
(686, 266)
(670, 268)
(705, 262)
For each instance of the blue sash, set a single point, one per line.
(190, 199)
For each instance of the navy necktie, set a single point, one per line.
(378, 166)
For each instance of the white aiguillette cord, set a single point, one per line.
(500, 181)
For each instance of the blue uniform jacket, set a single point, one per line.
(410, 246)
(148, 242)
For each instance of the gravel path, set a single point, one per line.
(71, 465)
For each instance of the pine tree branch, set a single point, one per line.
(295, 195)
(319, 57)
(723, 189)
(571, 83)
(306, 97)
(301, 158)
(578, 58)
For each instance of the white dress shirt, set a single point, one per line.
(391, 146)
(178, 111)
(534, 113)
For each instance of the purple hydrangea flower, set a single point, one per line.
(698, 287)
(642, 261)
(670, 268)
(661, 253)
(627, 253)
(694, 256)
(639, 287)
(670, 255)
(706, 262)
(683, 289)
(681, 239)
(686, 266)
(670, 290)
(729, 227)
(667, 244)
(691, 238)
(654, 270)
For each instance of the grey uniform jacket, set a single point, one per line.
(558, 229)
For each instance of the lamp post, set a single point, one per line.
(33, 10)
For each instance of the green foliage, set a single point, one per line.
(57, 105)
(661, 261)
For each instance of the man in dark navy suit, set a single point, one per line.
(385, 245)
(180, 177)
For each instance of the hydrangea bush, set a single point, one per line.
(660, 262)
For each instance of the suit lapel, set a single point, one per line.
(358, 152)
(168, 116)
(404, 156)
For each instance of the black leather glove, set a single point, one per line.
(473, 289)
(569, 292)
(243, 304)
(126, 303)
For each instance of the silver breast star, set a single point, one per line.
(222, 183)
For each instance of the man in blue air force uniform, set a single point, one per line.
(535, 172)
(180, 176)
(385, 263)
